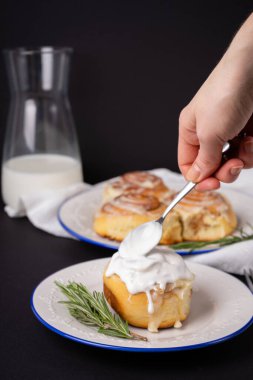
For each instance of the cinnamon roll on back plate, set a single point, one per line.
(127, 211)
(138, 197)
(139, 182)
(206, 216)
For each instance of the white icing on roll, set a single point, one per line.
(134, 203)
(142, 267)
(143, 179)
(196, 202)
(125, 204)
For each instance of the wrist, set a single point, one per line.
(237, 62)
(237, 67)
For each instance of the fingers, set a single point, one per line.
(246, 152)
(210, 183)
(188, 144)
(186, 155)
(198, 156)
(227, 173)
(208, 158)
(200, 153)
(230, 171)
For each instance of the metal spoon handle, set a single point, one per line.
(187, 188)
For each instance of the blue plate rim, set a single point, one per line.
(136, 349)
(105, 245)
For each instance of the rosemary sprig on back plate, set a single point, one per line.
(92, 309)
(227, 240)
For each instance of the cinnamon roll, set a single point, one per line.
(127, 211)
(149, 290)
(171, 306)
(144, 179)
(115, 189)
(139, 182)
(206, 216)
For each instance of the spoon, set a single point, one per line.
(186, 189)
(145, 237)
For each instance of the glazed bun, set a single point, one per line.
(139, 182)
(171, 306)
(127, 211)
(206, 216)
(139, 197)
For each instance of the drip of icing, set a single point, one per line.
(143, 267)
(151, 308)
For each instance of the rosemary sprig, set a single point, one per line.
(227, 240)
(92, 309)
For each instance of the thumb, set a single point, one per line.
(208, 159)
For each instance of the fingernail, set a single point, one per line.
(236, 170)
(193, 173)
(248, 146)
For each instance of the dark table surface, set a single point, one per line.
(30, 351)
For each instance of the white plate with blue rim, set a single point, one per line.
(221, 309)
(76, 216)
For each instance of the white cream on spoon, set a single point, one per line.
(142, 239)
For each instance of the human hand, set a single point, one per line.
(220, 110)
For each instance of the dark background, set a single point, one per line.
(136, 64)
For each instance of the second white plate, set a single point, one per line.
(76, 216)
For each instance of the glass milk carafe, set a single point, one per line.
(41, 149)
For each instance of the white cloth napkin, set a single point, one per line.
(41, 209)
(234, 258)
